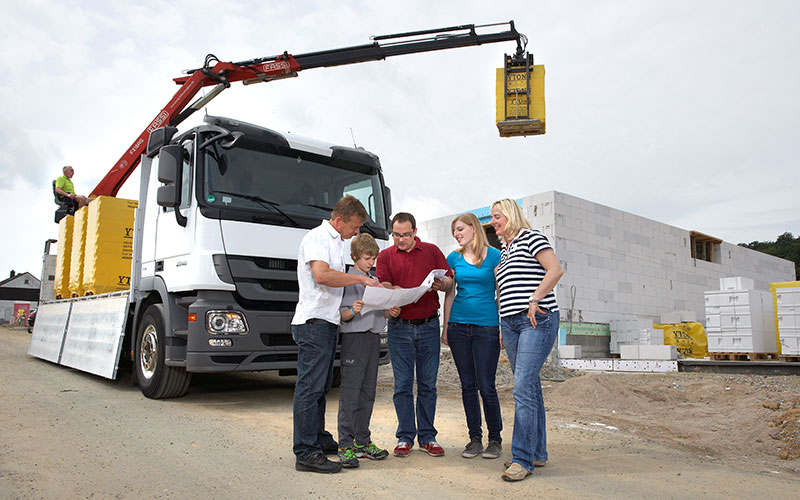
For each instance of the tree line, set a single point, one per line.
(786, 247)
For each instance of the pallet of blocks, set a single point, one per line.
(739, 322)
(786, 297)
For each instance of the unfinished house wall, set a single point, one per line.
(622, 266)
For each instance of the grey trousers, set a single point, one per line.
(359, 357)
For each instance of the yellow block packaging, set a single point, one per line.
(61, 284)
(689, 338)
(774, 287)
(76, 254)
(519, 113)
(109, 245)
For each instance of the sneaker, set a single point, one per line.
(473, 448)
(318, 463)
(347, 456)
(433, 449)
(493, 450)
(515, 472)
(402, 449)
(370, 451)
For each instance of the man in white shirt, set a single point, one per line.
(321, 277)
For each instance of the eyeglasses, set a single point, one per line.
(401, 236)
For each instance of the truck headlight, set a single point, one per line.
(226, 323)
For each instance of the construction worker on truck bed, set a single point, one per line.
(64, 187)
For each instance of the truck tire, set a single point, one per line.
(157, 380)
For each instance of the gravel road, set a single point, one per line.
(67, 434)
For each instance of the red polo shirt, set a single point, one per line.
(408, 269)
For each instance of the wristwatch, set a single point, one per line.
(532, 300)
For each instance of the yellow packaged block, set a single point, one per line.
(61, 284)
(774, 287)
(689, 338)
(76, 256)
(520, 109)
(109, 245)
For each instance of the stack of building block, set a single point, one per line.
(787, 301)
(739, 319)
(633, 331)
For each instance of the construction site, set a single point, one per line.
(153, 354)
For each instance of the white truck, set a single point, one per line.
(222, 209)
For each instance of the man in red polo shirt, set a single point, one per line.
(414, 334)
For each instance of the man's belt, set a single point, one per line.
(421, 321)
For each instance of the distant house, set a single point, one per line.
(18, 292)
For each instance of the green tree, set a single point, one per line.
(786, 247)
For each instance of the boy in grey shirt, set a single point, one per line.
(359, 358)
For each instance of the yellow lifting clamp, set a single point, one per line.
(520, 97)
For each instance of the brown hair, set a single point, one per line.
(349, 207)
(363, 244)
(479, 240)
(404, 217)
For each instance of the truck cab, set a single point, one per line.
(222, 211)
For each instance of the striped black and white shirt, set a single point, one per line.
(519, 273)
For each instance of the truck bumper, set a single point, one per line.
(268, 345)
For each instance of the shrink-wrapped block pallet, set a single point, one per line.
(61, 284)
(109, 245)
(76, 255)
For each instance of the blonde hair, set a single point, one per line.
(479, 240)
(516, 220)
(363, 244)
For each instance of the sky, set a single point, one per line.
(684, 112)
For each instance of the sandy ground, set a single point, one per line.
(66, 434)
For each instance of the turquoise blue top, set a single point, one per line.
(475, 302)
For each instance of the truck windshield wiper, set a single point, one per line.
(263, 202)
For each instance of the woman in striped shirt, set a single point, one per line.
(526, 276)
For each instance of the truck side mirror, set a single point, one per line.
(159, 138)
(387, 200)
(169, 165)
(170, 173)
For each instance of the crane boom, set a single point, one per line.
(222, 74)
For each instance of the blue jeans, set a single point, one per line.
(410, 347)
(476, 350)
(316, 343)
(527, 349)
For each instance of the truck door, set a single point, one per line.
(174, 242)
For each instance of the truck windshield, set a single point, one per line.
(287, 187)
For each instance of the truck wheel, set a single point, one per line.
(156, 379)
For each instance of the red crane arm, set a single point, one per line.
(221, 74)
(284, 65)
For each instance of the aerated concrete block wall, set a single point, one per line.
(622, 266)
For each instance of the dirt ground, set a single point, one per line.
(66, 434)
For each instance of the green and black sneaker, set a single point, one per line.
(370, 451)
(348, 458)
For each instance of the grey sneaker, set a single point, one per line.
(493, 450)
(473, 448)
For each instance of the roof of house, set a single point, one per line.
(18, 280)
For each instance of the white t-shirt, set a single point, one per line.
(319, 301)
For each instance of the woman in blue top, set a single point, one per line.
(471, 329)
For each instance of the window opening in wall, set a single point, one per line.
(494, 240)
(705, 247)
